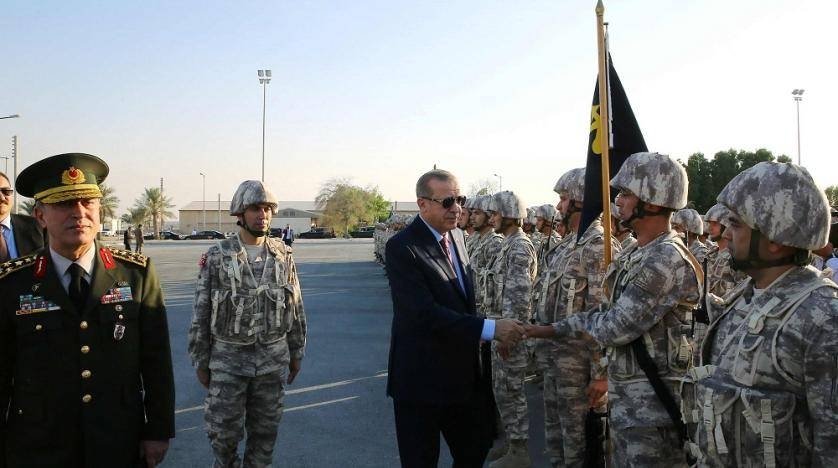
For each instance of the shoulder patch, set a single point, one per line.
(12, 266)
(130, 256)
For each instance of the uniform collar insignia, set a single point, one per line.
(107, 258)
(41, 266)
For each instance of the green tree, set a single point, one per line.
(136, 215)
(832, 195)
(108, 204)
(346, 205)
(153, 205)
(708, 178)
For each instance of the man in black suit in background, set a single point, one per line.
(436, 377)
(19, 234)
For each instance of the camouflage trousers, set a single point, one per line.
(236, 403)
(545, 360)
(647, 447)
(508, 385)
(572, 375)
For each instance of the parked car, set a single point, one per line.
(318, 233)
(169, 235)
(276, 232)
(364, 232)
(205, 235)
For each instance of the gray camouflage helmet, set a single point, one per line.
(531, 215)
(690, 220)
(572, 182)
(252, 192)
(782, 202)
(547, 211)
(469, 204)
(509, 205)
(655, 178)
(716, 213)
(483, 203)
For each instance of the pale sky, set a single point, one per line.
(380, 91)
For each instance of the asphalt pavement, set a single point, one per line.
(336, 413)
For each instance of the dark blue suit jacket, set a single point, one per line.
(435, 338)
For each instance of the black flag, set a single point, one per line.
(626, 139)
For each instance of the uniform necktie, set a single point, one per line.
(78, 286)
(4, 249)
(444, 244)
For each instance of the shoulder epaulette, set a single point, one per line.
(130, 256)
(12, 266)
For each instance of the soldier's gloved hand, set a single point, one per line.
(596, 392)
(293, 370)
(203, 377)
(153, 451)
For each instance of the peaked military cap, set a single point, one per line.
(63, 177)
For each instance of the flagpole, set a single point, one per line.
(604, 130)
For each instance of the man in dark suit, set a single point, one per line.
(20, 233)
(436, 377)
(85, 365)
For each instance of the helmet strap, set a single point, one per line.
(800, 257)
(252, 232)
(640, 211)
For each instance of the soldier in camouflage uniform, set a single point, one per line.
(765, 394)
(721, 278)
(545, 220)
(512, 273)
(649, 297)
(469, 231)
(248, 331)
(530, 230)
(689, 223)
(575, 380)
(486, 247)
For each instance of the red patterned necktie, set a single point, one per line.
(444, 244)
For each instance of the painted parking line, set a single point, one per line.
(313, 388)
(293, 408)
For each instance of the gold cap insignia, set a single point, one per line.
(72, 176)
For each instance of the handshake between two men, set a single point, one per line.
(508, 332)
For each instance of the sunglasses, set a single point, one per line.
(7, 192)
(448, 202)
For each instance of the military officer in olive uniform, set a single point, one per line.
(85, 364)
(248, 331)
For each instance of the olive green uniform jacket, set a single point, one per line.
(82, 388)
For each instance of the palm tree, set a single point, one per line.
(108, 204)
(157, 206)
(135, 215)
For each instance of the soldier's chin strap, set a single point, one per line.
(800, 257)
(640, 211)
(253, 232)
(571, 208)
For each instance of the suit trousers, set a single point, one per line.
(466, 428)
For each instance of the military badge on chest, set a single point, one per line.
(117, 295)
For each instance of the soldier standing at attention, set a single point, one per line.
(766, 393)
(513, 273)
(651, 293)
(570, 282)
(85, 365)
(248, 332)
(545, 220)
(689, 223)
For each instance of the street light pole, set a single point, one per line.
(500, 182)
(13, 116)
(264, 79)
(797, 94)
(204, 197)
